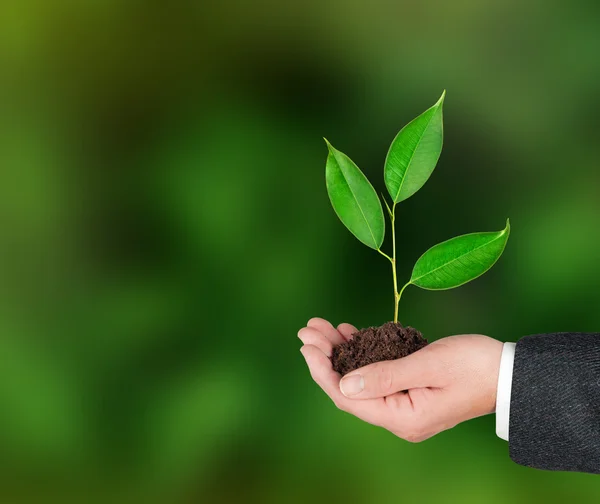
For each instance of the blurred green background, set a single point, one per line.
(165, 231)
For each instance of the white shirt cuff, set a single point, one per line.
(504, 389)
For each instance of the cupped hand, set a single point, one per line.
(445, 383)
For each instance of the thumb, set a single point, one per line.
(385, 378)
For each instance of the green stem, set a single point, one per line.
(394, 274)
(397, 295)
(385, 255)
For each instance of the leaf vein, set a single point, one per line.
(458, 258)
(356, 200)
(412, 155)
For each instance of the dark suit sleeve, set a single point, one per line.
(555, 402)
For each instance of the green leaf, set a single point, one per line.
(414, 153)
(353, 198)
(459, 260)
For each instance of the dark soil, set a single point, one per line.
(373, 344)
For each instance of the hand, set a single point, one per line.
(447, 382)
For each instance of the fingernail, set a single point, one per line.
(352, 385)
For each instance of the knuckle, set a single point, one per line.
(338, 404)
(394, 401)
(413, 435)
(413, 439)
(385, 379)
(336, 401)
(413, 432)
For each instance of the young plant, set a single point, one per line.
(410, 162)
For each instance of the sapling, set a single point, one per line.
(410, 161)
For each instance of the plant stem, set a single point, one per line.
(385, 255)
(399, 295)
(396, 295)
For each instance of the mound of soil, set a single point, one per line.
(373, 344)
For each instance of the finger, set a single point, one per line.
(310, 336)
(373, 411)
(420, 369)
(347, 330)
(431, 410)
(414, 414)
(325, 327)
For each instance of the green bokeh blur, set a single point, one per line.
(165, 231)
